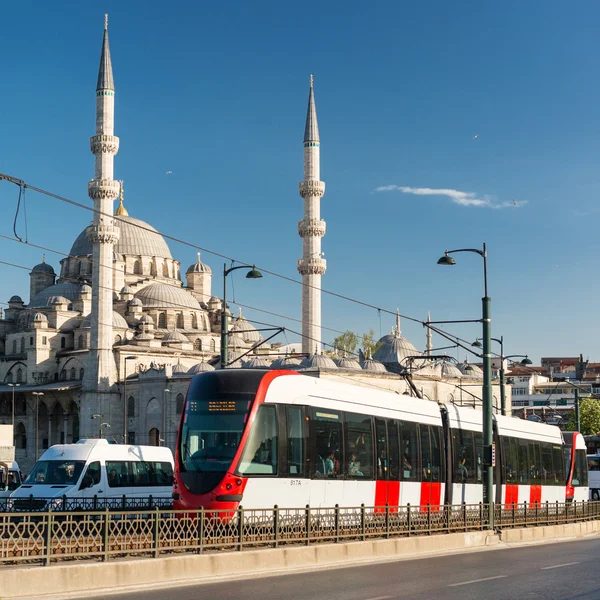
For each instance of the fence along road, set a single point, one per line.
(52, 536)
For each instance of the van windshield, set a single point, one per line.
(56, 472)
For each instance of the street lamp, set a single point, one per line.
(101, 425)
(488, 481)
(164, 413)
(37, 422)
(253, 273)
(13, 386)
(125, 397)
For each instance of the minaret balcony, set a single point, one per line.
(312, 266)
(104, 144)
(311, 228)
(102, 234)
(104, 189)
(311, 187)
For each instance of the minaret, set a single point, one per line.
(99, 378)
(428, 335)
(311, 229)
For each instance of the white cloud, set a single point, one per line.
(457, 196)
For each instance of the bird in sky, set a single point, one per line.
(475, 136)
(515, 202)
(169, 173)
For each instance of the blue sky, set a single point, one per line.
(216, 93)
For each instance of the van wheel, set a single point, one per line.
(595, 495)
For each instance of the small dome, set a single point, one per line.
(348, 363)
(126, 290)
(118, 321)
(43, 267)
(147, 320)
(16, 299)
(56, 300)
(214, 300)
(286, 362)
(201, 367)
(144, 337)
(40, 318)
(449, 371)
(236, 341)
(317, 361)
(233, 358)
(373, 366)
(393, 348)
(174, 337)
(135, 302)
(85, 289)
(470, 370)
(256, 363)
(161, 295)
(179, 369)
(199, 267)
(246, 330)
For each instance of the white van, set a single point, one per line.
(95, 474)
(10, 478)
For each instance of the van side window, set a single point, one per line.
(94, 472)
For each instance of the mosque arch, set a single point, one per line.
(180, 320)
(131, 406)
(22, 344)
(198, 345)
(137, 267)
(14, 347)
(9, 377)
(162, 320)
(165, 269)
(79, 342)
(73, 373)
(19, 375)
(194, 321)
(213, 345)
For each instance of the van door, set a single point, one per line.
(92, 484)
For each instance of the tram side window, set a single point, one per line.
(511, 460)
(359, 446)
(547, 475)
(478, 443)
(326, 435)
(437, 463)
(260, 453)
(580, 476)
(295, 440)
(394, 450)
(382, 449)
(559, 465)
(593, 464)
(535, 460)
(463, 451)
(523, 461)
(409, 449)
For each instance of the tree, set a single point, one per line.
(369, 345)
(345, 343)
(589, 416)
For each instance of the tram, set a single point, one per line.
(258, 438)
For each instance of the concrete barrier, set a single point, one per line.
(549, 532)
(61, 580)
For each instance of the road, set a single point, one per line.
(560, 571)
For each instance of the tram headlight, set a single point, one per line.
(238, 482)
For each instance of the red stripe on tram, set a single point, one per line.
(381, 495)
(512, 494)
(431, 494)
(394, 494)
(535, 495)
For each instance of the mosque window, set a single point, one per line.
(137, 268)
(195, 321)
(31, 340)
(153, 268)
(44, 340)
(19, 375)
(213, 346)
(73, 373)
(162, 320)
(82, 268)
(180, 320)
(117, 339)
(153, 437)
(165, 269)
(79, 342)
(14, 347)
(81, 372)
(63, 375)
(63, 342)
(198, 345)
(179, 403)
(131, 406)
(89, 268)
(21, 437)
(22, 344)
(9, 378)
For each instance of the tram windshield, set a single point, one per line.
(212, 430)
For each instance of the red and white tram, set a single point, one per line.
(577, 466)
(260, 438)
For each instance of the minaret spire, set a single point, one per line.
(398, 330)
(98, 383)
(428, 335)
(311, 229)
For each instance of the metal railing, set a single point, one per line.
(52, 536)
(63, 504)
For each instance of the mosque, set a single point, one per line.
(108, 345)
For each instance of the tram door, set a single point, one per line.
(387, 486)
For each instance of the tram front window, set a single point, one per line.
(212, 431)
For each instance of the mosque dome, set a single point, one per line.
(286, 362)
(256, 363)
(201, 367)
(245, 330)
(450, 371)
(43, 267)
(373, 366)
(136, 238)
(393, 348)
(40, 318)
(85, 289)
(470, 370)
(147, 320)
(135, 302)
(16, 299)
(174, 337)
(127, 290)
(348, 363)
(161, 295)
(70, 291)
(317, 361)
(199, 267)
(117, 321)
(57, 300)
(179, 370)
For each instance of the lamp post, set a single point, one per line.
(253, 273)
(13, 386)
(37, 422)
(125, 397)
(164, 415)
(488, 436)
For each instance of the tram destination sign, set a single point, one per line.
(221, 405)
(7, 453)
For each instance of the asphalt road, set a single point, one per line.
(560, 571)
